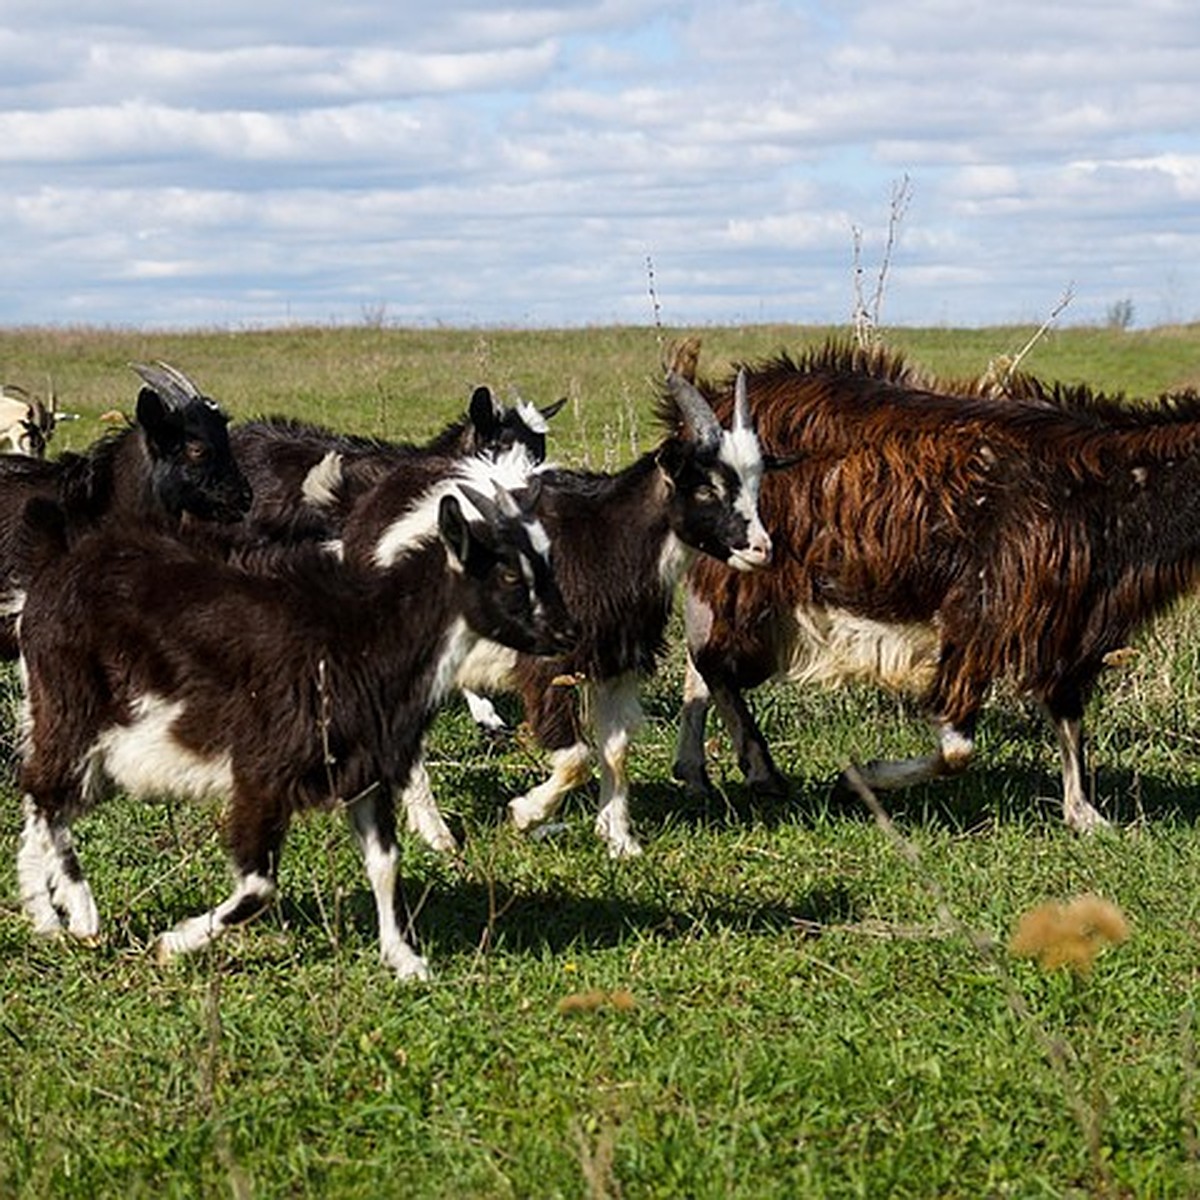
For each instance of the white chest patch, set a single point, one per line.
(145, 759)
(673, 561)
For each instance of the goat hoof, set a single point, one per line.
(412, 970)
(696, 784)
(770, 787)
(628, 848)
(1088, 821)
(162, 951)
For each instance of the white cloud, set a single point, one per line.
(463, 162)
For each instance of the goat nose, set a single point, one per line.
(761, 548)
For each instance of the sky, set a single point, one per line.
(587, 162)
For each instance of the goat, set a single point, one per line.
(26, 424)
(621, 544)
(157, 670)
(306, 477)
(936, 543)
(173, 466)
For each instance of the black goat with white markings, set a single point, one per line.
(156, 670)
(621, 542)
(306, 477)
(171, 466)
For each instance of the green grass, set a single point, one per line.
(811, 1014)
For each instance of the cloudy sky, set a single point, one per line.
(468, 163)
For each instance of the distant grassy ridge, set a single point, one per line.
(774, 1002)
(407, 383)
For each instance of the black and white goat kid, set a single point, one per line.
(621, 542)
(155, 670)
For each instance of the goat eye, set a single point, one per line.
(708, 493)
(510, 576)
(195, 452)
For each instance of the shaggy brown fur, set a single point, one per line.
(1028, 535)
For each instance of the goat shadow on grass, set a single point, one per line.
(454, 917)
(982, 796)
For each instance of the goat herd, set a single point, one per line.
(272, 612)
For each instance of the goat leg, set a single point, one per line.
(373, 824)
(50, 879)
(689, 766)
(421, 813)
(754, 758)
(1066, 716)
(955, 749)
(617, 713)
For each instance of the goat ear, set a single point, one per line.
(454, 529)
(483, 410)
(158, 418)
(670, 460)
(781, 462)
(528, 497)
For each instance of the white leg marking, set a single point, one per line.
(197, 932)
(690, 765)
(46, 866)
(1078, 813)
(35, 858)
(382, 865)
(956, 748)
(483, 712)
(569, 770)
(421, 813)
(618, 714)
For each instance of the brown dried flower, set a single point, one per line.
(622, 1000)
(1069, 935)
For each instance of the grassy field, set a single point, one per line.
(777, 1000)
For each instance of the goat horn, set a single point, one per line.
(172, 384)
(488, 509)
(697, 414)
(742, 418)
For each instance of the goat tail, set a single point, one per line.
(41, 537)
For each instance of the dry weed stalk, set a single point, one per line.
(998, 376)
(1058, 1052)
(866, 316)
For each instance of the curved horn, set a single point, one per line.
(487, 509)
(697, 414)
(553, 409)
(42, 416)
(171, 384)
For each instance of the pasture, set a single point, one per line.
(780, 999)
